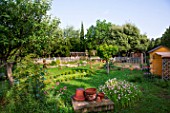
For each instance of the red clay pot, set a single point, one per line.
(101, 95)
(91, 97)
(90, 91)
(79, 96)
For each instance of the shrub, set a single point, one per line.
(74, 71)
(71, 76)
(122, 93)
(135, 78)
(58, 62)
(161, 83)
(70, 72)
(80, 62)
(53, 63)
(55, 91)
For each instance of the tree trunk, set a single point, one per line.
(9, 73)
(107, 65)
(141, 57)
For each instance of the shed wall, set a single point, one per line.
(156, 61)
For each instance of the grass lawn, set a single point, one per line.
(156, 93)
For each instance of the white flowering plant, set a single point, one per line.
(122, 93)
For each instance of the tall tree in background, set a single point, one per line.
(99, 34)
(21, 23)
(82, 40)
(151, 44)
(165, 39)
(158, 42)
(129, 39)
(120, 39)
(138, 42)
(73, 38)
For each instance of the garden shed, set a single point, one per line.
(160, 61)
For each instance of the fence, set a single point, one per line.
(128, 59)
(115, 59)
(62, 59)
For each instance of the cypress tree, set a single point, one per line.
(82, 41)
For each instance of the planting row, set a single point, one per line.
(71, 76)
(68, 77)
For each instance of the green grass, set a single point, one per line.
(154, 99)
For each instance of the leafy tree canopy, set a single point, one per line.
(165, 39)
(22, 23)
(105, 52)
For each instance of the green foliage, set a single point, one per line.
(154, 43)
(106, 51)
(55, 91)
(80, 62)
(82, 40)
(135, 78)
(25, 28)
(20, 27)
(161, 83)
(53, 63)
(29, 79)
(4, 87)
(71, 39)
(165, 39)
(50, 33)
(127, 37)
(98, 34)
(71, 76)
(153, 95)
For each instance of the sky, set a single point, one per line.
(152, 17)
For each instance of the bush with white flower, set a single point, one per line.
(122, 93)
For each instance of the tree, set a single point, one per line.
(90, 38)
(158, 42)
(120, 39)
(73, 37)
(106, 52)
(165, 39)
(51, 33)
(21, 24)
(128, 39)
(151, 44)
(99, 34)
(82, 40)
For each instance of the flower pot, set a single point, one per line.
(79, 96)
(100, 95)
(90, 97)
(90, 91)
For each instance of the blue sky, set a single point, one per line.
(150, 16)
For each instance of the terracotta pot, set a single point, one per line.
(91, 97)
(79, 96)
(98, 99)
(90, 91)
(101, 95)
